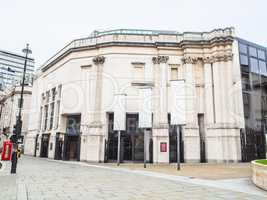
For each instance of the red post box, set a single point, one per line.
(7, 150)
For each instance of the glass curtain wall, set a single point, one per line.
(253, 60)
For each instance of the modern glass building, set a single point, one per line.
(253, 61)
(11, 68)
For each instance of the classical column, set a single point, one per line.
(209, 91)
(98, 62)
(230, 134)
(222, 85)
(191, 132)
(93, 149)
(160, 117)
(160, 63)
(191, 116)
(227, 83)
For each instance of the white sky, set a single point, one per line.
(48, 25)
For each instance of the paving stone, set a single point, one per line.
(45, 180)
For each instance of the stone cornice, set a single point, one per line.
(154, 39)
(99, 60)
(160, 59)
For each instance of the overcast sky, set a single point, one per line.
(48, 25)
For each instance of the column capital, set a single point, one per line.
(190, 60)
(223, 57)
(208, 60)
(99, 60)
(160, 59)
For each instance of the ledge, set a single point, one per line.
(143, 83)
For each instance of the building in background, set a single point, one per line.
(11, 69)
(72, 114)
(9, 107)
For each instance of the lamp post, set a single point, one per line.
(17, 129)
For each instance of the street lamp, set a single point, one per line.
(17, 128)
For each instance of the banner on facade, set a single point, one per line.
(145, 108)
(119, 112)
(177, 102)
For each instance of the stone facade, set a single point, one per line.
(86, 74)
(9, 102)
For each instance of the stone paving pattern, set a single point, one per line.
(8, 186)
(46, 179)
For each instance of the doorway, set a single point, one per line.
(72, 148)
(173, 143)
(58, 147)
(36, 146)
(44, 145)
(132, 141)
(72, 139)
(202, 137)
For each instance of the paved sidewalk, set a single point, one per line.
(243, 185)
(8, 185)
(49, 179)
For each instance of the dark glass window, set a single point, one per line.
(53, 94)
(252, 51)
(261, 54)
(254, 65)
(19, 103)
(246, 100)
(46, 117)
(243, 59)
(243, 48)
(51, 115)
(262, 66)
(245, 82)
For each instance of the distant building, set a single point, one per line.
(9, 106)
(72, 115)
(11, 68)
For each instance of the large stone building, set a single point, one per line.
(9, 107)
(74, 96)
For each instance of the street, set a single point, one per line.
(39, 179)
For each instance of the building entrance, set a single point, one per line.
(36, 146)
(72, 139)
(132, 140)
(72, 148)
(173, 143)
(202, 137)
(58, 147)
(44, 145)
